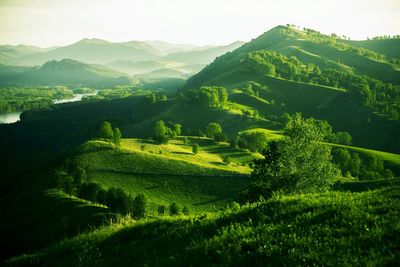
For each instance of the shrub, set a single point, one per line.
(195, 148)
(186, 210)
(139, 206)
(162, 209)
(174, 209)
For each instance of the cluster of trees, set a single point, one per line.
(383, 97)
(173, 209)
(111, 135)
(253, 141)
(116, 199)
(206, 96)
(75, 182)
(152, 98)
(162, 133)
(214, 131)
(362, 167)
(24, 98)
(297, 163)
(254, 89)
(334, 41)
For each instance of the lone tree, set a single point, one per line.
(139, 206)
(161, 132)
(214, 131)
(299, 163)
(106, 131)
(117, 137)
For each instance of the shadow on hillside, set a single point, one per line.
(360, 186)
(209, 201)
(92, 149)
(182, 153)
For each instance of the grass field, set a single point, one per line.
(170, 172)
(334, 228)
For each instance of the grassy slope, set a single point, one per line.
(313, 100)
(330, 229)
(202, 181)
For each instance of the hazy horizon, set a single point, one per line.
(47, 23)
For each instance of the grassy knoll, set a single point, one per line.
(170, 172)
(330, 229)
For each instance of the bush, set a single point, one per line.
(233, 206)
(195, 148)
(186, 210)
(174, 209)
(139, 206)
(162, 209)
(118, 201)
(227, 160)
(89, 191)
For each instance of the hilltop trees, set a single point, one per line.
(162, 132)
(297, 164)
(214, 131)
(110, 134)
(117, 137)
(106, 131)
(206, 96)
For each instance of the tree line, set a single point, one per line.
(375, 94)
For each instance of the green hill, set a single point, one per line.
(388, 47)
(325, 229)
(368, 126)
(65, 72)
(169, 173)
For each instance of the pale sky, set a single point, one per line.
(61, 22)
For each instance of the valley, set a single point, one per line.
(283, 150)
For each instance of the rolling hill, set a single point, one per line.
(11, 52)
(64, 72)
(313, 100)
(93, 51)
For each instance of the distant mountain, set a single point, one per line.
(10, 52)
(202, 56)
(93, 51)
(168, 48)
(135, 67)
(65, 72)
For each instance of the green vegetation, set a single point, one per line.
(65, 72)
(151, 173)
(312, 229)
(298, 163)
(25, 98)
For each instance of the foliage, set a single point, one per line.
(195, 148)
(139, 206)
(327, 229)
(106, 131)
(214, 131)
(162, 210)
(298, 163)
(380, 96)
(364, 167)
(117, 137)
(162, 132)
(254, 141)
(174, 209)
(206, 96)
(25, 98)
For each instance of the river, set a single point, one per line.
(11, 117)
